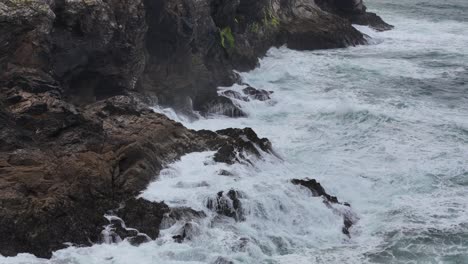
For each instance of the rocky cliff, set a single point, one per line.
(77, 139)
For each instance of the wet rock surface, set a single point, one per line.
(257, 94)
(64, 167)
(241, 146)
(248, 93)
(221, 260)
(316, 189)
(76, 140)
(227, 204)
(178, 51)
(342, 209)
(355, 11)
(223, 106)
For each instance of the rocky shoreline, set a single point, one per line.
(77, 137)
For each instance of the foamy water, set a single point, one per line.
(383, 127)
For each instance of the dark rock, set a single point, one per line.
(355, 12)
(37, 109)
(227, 204)
(75, 142)
(253, 93)
(137, 240)
(185, 233)
(184, 214)
(331, 202)
(120, 229)
(225, 173)
(347, 224)
(62, 183)
(372, 20)
(143, 215)
(226, 154)
(235, 95)
(223, 106)
(242, 142)
(173, 49)
(316, 189)
(14, 99)
(221, 260)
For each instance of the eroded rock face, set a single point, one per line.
(227, 204)
(178, 51)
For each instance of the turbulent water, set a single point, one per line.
(382, 126)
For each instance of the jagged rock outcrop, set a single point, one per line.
(342, 209)
(76, 140)
(355, 11)
(176, 50)
(239, 143)
(248, 93)
(62, 167)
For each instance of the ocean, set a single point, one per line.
(382, 126)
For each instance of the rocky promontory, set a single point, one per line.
(77, 77)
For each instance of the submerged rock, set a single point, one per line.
(227, 204)
(183, 214)
(186, 232)
(316, 189)
(261, 95)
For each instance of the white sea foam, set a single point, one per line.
(384, 127)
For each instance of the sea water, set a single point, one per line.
(383, 127)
